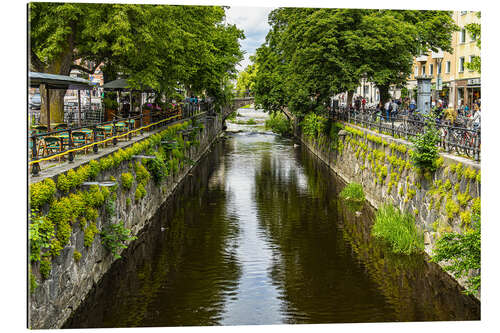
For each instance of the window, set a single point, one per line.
(448, 66)
(423, 70)
(471, 58)
(463, 12)
(416, 70)
(431, 69)
(461, 62)
(462, 36)
(439, 68)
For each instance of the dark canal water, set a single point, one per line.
(257, 236)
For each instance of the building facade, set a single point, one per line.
(451, 81)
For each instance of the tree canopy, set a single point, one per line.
(156, 46)
(475, 31)
(246, 81)
(312, 54)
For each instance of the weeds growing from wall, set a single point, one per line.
(398, 229)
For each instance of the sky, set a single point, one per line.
(253, 22)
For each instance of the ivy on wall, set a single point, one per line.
(56, 206)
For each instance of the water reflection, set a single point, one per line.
(258, 236)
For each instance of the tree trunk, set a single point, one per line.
(60, 66)
(350, 94)
(56, 105)
(384, 93)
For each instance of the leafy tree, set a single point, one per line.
(312, 54)
(475, 31)
(246, 80)
(462, 255)
(154, 46)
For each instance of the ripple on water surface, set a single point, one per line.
(257, 236)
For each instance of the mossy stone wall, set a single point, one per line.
(441, 201)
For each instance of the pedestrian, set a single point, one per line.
(394, 110)
(388, 109)
(476, 119)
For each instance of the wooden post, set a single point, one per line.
(90, 100)
(130, 106)
(79, 110)
(48, 108)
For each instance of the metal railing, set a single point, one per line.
(65, 142)
(453, 138)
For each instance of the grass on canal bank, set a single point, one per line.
(398, 229)
(279, 124)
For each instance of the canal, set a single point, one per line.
(256, 235)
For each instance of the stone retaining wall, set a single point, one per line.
(442, 201)
(56, 297)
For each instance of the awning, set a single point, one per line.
(55, 81)
(122, 84)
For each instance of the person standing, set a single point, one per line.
(388, 109)
(395, 106)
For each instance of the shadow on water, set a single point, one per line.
(329, 267)
(257, 236)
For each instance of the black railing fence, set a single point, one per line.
(454, 137)
(65, 140)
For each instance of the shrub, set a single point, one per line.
(45, 267)
(398, 230)
(141, 173)
(425, 154)
(77, 256)
(140, 192)
(353, 192)
(313, 125)
(42, 193)
(41, 231)
(127, 179)
(461, 255)
(279, 123)
(33, 283)
(157, 168)
(114, 237)
(89, 234)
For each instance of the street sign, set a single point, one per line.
(439, 84)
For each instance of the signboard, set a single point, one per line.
(474, 82)
(439, 84)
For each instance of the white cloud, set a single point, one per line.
(253, 22)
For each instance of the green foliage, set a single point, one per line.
(42, 193)
(77, 256)
(128, 203)
(160, 47)
(45, 268)
(94, 169)
(246, 81)
(461, 255)
(157, 168)
(126, 180)
(451, 207)
(313, 125)
(89, 234)
(474, 30)
(41, 231)
(141, 173)
(425, 154)
(115, 237)
(33, 284)
(398, 230)
(279, 123)
(140, 192)
(353, 192)
(439, 162)
(311, 54)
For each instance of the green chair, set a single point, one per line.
(80, 138)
